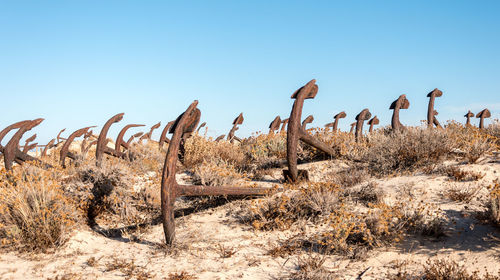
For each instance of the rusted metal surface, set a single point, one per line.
(275, 125)
(398, 104)
(284, 124)
(63, 153)
(328, 125)
(238, 121)
(11, 151)
(86, 148)
(431, 113)
(59, 138)
(220, 138)
(163, 136)
(102, 140)
(29, 147)
(119, 139)
(30, 139)
(47, 147)
(191, 124)
(338, 116)
(145, 136)
(295, 132)
(11, 127)
(360, 119)
(353, 125)
(372, 122)
(306, 121)
(483, 115)
(138, 134)
(468, 116)
(200, 127)
(170, 189)
(153, 128)
(85, 145)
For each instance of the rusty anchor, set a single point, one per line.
(372, 122)
(482, 115)
(295, 132)
(65, 148)
(468, 116)
(11, 151)
(201, 126)
(360, 119)
(238, 121)
(274, 125)
(119, 139)
(338, 116)
(220, 138)
(284, 124)
(47, 147)
(163, 136)
(431, 113)
(306, 121)
(170, 189)
(353, 125)
(400, 103)
(102, 140)
(138, 134)
(153, 128)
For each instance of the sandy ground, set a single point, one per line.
(205, 239)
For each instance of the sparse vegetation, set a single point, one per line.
(346, 214)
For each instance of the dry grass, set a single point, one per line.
(35, 215)
(406, 151)
(129, 269)
(310, 267)
(462, 193)
(302, 202)
(460, 175)
(439, 269)
(494, 203)
(216, 172)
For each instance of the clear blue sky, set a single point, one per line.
(77, 63)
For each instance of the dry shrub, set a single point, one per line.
(460, 175)
(440, 269)
(349, 177)
(477, 149)
(494, 203)
(406, 151)
(265, 150)
(183, 275)
(343, 143)
(199, 149)
(367, 193)
(471, 142)
(349, 231)
(107, 191)
(310, 267)
(216, 172)
(352, 233)
(303, 202)
(129, 269)
(462, 193)
(34, 213)
(144, 158)
(493, 130)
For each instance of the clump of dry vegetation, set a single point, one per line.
(462, 193)
(439, 269)
(339, 224)
(494, 203)
(406, 151)
(460, 175)
(35, 215)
